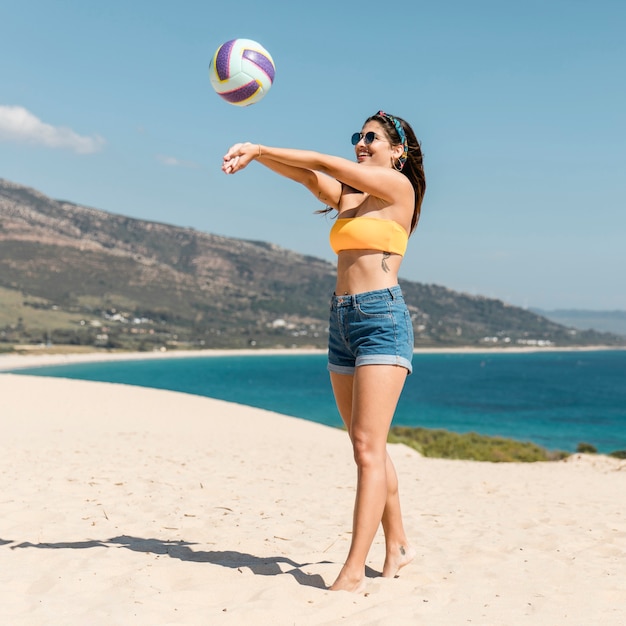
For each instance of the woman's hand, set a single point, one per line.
(239, 156)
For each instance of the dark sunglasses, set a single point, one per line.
(367, 138)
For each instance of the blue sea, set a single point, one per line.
(554, 399)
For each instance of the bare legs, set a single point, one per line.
(367, 402)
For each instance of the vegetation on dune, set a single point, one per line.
(444, 444)
(439, 443)
(588, 448)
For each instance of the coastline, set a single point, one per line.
(132, 505)
(13, 361)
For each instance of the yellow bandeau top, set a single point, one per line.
(368, 233)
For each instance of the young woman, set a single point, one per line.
(378, 201)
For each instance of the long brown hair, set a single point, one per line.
(413, 168)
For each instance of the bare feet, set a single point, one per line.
(397, 558)
(347, 582)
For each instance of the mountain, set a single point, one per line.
(582, 319)
(77, 275)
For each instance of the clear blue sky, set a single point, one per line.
(520, 107)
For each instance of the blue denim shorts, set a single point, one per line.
(371, 328)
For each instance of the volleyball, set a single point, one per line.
(242, 72)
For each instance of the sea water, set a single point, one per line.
(554, 399)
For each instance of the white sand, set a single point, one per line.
(122, 505)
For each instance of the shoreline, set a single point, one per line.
(13, 361)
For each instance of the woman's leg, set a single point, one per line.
(398, 551)
(367, 402)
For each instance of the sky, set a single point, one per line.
(520, 108)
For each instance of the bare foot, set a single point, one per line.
(346, 582)
(396, 559)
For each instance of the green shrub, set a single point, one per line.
(470, 446)
(586, 448)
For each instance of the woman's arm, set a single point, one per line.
(324, 188)
(382, 182)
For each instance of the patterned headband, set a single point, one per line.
(401, 134)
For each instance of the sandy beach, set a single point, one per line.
(123, 505)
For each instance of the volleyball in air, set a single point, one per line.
(242, 71)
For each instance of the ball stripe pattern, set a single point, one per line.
(242, 71)
(261, 61)
(222, 60)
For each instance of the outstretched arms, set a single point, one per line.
(326, 189)
(322, 174)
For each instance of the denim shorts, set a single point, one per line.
(371, 328)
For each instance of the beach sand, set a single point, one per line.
(123, 505)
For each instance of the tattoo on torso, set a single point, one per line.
(384, 265)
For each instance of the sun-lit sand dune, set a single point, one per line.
(123, 505)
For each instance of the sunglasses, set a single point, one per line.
(367, 138)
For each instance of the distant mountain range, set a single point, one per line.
(77, 275)
(581, 319)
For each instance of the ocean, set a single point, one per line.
(555, 399)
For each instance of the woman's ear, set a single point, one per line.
(396, 152)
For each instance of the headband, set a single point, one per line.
(401, 134)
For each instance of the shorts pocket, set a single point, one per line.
(374, 309)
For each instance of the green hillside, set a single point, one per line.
(76, 275)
